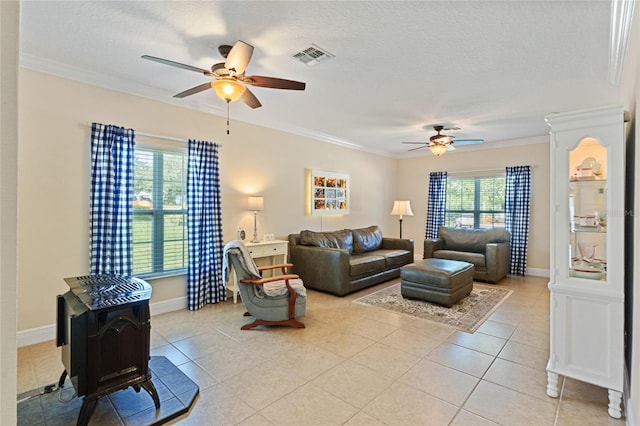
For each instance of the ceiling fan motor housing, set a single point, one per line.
(224, 50)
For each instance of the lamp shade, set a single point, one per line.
(402, 208)
(255, 204)
(229, 90)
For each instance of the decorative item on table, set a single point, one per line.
(255, 204)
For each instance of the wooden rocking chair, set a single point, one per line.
(267, 308)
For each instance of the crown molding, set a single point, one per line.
(621, 20)
(117, 84)
(111, 83)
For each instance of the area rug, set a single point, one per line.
(466, 315)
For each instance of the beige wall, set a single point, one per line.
(413, 184)
(53, 181)
(9, 23)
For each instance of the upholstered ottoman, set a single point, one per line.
(439, 281)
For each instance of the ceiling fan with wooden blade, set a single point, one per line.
(229, 79)
(439, 143)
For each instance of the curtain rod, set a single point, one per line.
(497, 169)
(153, 135)
(168, 138)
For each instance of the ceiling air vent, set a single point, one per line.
(312, 55)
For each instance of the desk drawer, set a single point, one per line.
(267, 250)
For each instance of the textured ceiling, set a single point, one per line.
(493, 68)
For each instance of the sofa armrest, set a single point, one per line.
(497, 261)
(397, 244)
(325, 269)
(431, 245)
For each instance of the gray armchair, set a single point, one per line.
(275, 300)
(488, 250)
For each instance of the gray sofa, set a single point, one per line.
(341, 262)
(487, 249)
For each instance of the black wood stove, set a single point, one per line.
(103, 327)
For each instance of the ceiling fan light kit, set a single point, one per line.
(228, 90)
(438, 149)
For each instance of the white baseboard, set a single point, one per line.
(168, 306)
(537, 272)
(36, 335)
(48, 332)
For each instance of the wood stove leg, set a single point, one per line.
(151, 389)
(63, 377)
(86, 411)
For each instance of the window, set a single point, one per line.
(159, 212)
(475, 202)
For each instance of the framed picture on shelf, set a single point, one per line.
(329, 193)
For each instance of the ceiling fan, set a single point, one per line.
(229, 80)
(439, 143)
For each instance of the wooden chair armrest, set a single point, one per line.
(280, 265)
(271, 279)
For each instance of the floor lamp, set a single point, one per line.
(401, 208)
(255, 204)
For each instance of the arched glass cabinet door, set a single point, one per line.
(588, 211)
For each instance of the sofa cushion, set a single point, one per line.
(366, 239)
(336, 239)
(394, 257)
(478, 259)
(366, 263)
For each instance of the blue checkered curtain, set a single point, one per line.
(437, 203)
(517, 207)
(204, 225)
(111, 208)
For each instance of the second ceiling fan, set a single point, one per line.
(439, 143)
(230, 82)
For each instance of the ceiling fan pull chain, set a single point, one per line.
(228, 116)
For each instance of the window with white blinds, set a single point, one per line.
(475, 202)
(159, 212)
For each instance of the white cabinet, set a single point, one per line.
(587, 250)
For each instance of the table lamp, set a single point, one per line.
(255, 204)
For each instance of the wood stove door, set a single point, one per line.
(118, 348)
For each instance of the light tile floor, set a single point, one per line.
(358, 365)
